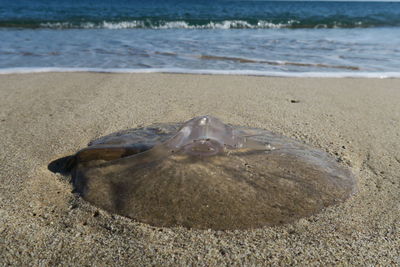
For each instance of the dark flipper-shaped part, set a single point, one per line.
(208, 175)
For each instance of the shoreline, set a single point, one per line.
(44, 116)
(281, 74)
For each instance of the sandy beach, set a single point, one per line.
(49, 115)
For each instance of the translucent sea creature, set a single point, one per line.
(206, 174)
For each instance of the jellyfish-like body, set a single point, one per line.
(206, 174)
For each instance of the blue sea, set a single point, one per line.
(282, 38)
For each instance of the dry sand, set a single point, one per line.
(46, 116)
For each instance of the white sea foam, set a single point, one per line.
(380, 75)
(138, 24)
(119, 25)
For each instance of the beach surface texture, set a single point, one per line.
(49, 115)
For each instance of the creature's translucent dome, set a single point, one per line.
(206, 174)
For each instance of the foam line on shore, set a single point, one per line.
(210, 72)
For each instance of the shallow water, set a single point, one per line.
(263, 38)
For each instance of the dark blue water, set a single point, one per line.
(256, 37)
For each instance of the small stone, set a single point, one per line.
(222, 251)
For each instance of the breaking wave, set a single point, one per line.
(178, 24)
(198, 24)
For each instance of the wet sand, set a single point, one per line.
(49, 115)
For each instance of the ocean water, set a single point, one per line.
(206, 36)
